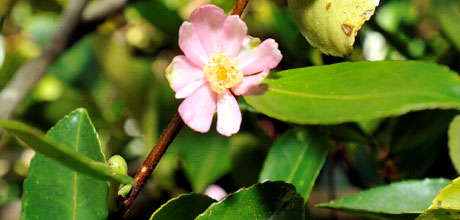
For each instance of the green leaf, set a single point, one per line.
(58, 150)
(440, 214)
(454, 143)
(446, 205)
(183, 207)
(54, 191)
(297, 158)
(269, 200)
(248, 153)
(400, 200)
(348, 132)
(155, 11)
(206, 157)
(448, 15)
(415, 137)
(356, 91)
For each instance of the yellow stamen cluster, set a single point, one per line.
(222, 72)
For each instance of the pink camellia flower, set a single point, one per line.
(220, 62)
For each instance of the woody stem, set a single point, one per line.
(154, 157)
(239, 7)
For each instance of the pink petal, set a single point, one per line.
(198, 109)
(248, 82)
(191, 45)
(265, 56)
(234, 34)
(216, 192)
(228, 114)
(190, 88)
(208, 21)
(182, 72)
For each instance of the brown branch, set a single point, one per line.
(77, 21)
(239, 7)
(165, 140)
(154, 157)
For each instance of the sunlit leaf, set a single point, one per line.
(446, 206)
(54, 191)
(400, 200)
(454, 143)
(56, 149)
(356, 91)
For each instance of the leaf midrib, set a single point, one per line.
(74, 198)
(297, 163)
(356, 97)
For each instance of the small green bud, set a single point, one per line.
(118, 164)
(331, 25)
(124, 191)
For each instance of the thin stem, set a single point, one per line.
(154, 157)
(78, 19)
(239, 7)
(7, 13)
(165, 140)
(28, 75)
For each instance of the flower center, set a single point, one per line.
(222, 73)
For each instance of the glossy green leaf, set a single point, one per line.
(183, 207)
(57, 149)
(454, 143)
(446, 205)
(54, 191)
(297, 158)
(206, 157)
(356, 91)
(399, 200)
(269, 200)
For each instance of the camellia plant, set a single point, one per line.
(356, 98)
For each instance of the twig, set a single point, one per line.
(154, 157)
(165, 140)
(29, 74)
(399, 44)
(77, 21)
(239, 7)
(7, 13)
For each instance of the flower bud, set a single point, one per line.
(331, 25)
(118, 164)
(124, 190)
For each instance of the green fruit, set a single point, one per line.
(331, 25)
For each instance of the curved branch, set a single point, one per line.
(78, 19)
(28, 75)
